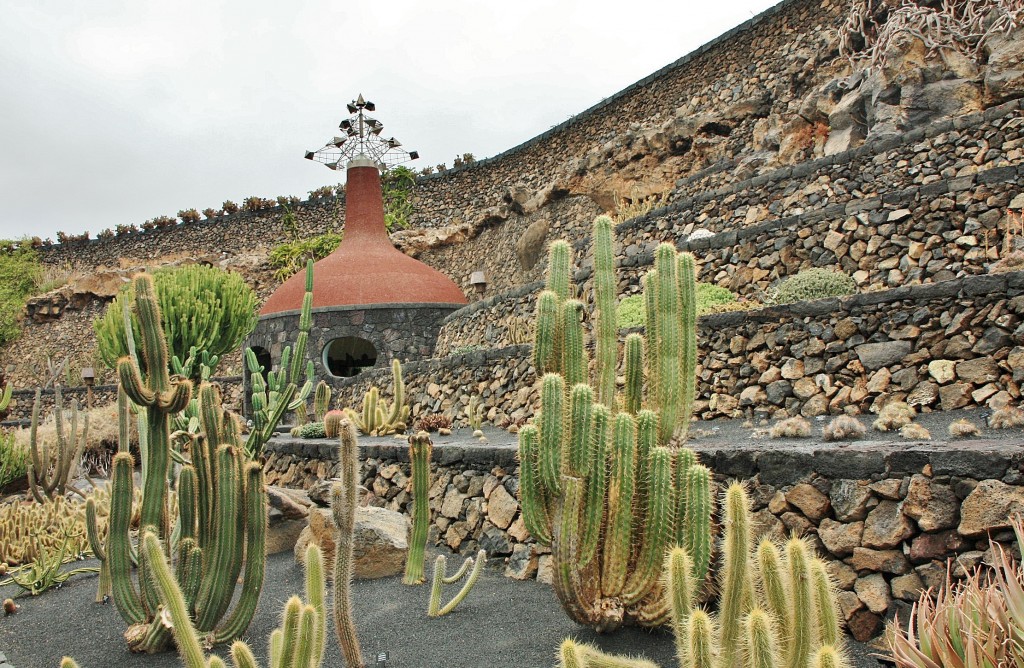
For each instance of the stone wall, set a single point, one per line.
(886, 516)
(947, 345)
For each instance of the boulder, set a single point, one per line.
(1004, 74)
(380, 536)
(989, 506)
(934, 506)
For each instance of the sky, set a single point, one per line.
(115, 112)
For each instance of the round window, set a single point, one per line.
(348, 355)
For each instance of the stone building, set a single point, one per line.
(371, 302)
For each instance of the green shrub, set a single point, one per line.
(290, 257)
(20, 273)
(203, 307)
(814, 284)
(397, 184)
(710, 299)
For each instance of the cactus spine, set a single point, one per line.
(420, 449)
(344, 499)
(600, 486)
(470, 565)
(321, 400)
(48, 480)
(220, 531)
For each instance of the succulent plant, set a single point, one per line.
(50, 471)
(601, 488)
(321, 400)
(332, 423)
(344, 500)
(420, 449)
(470, 566)
(378, 418)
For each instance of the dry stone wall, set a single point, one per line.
(887, 517)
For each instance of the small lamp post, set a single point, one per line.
(89, 379)
(479, 282)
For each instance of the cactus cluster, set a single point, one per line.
(218, 534)
(608, 489)
(279, 392)
(420, 449)
(777, 607)
(28, 530)
(377, 418)
(52, 466)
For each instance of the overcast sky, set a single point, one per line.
(117, 112)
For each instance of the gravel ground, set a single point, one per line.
(502, 622)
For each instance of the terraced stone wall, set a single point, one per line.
(887, 517)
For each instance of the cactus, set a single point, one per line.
(475, 415)
(377, 418)
(470, 565)
(579, 655)
(5, 397)
(344, 499)
(280, 392)
(321, 400)
(420, 449)
(299, 641)
(332, 423)
(601, 487)
(48, 480)
(220, 529)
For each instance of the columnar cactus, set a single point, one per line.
(280, 391)
(297, 643)
(344, 499)
(475, 416)
(420, 449)
(377, 417)
(777, 609)
(471, 566)
(5, 396)
(610, 491)
(321, 400)
(220, 530)
(49, 472)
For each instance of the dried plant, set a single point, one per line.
(915, 432)
(794, 427)
(434, 422)
(1007, 417)
(843, 428)
(874, 28)
(894, 416)
(963, 428)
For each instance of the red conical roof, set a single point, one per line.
(366, 268)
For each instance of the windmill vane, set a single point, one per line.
(360, 137)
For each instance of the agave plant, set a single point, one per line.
(976, 623)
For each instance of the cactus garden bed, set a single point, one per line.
(502, 622)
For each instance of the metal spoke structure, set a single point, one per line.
(361, 139)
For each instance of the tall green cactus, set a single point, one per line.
(280, 392)
(344, 499)
(420, 449)
(470, 570)
(50, 471)
(220, 531)
(609, 491)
